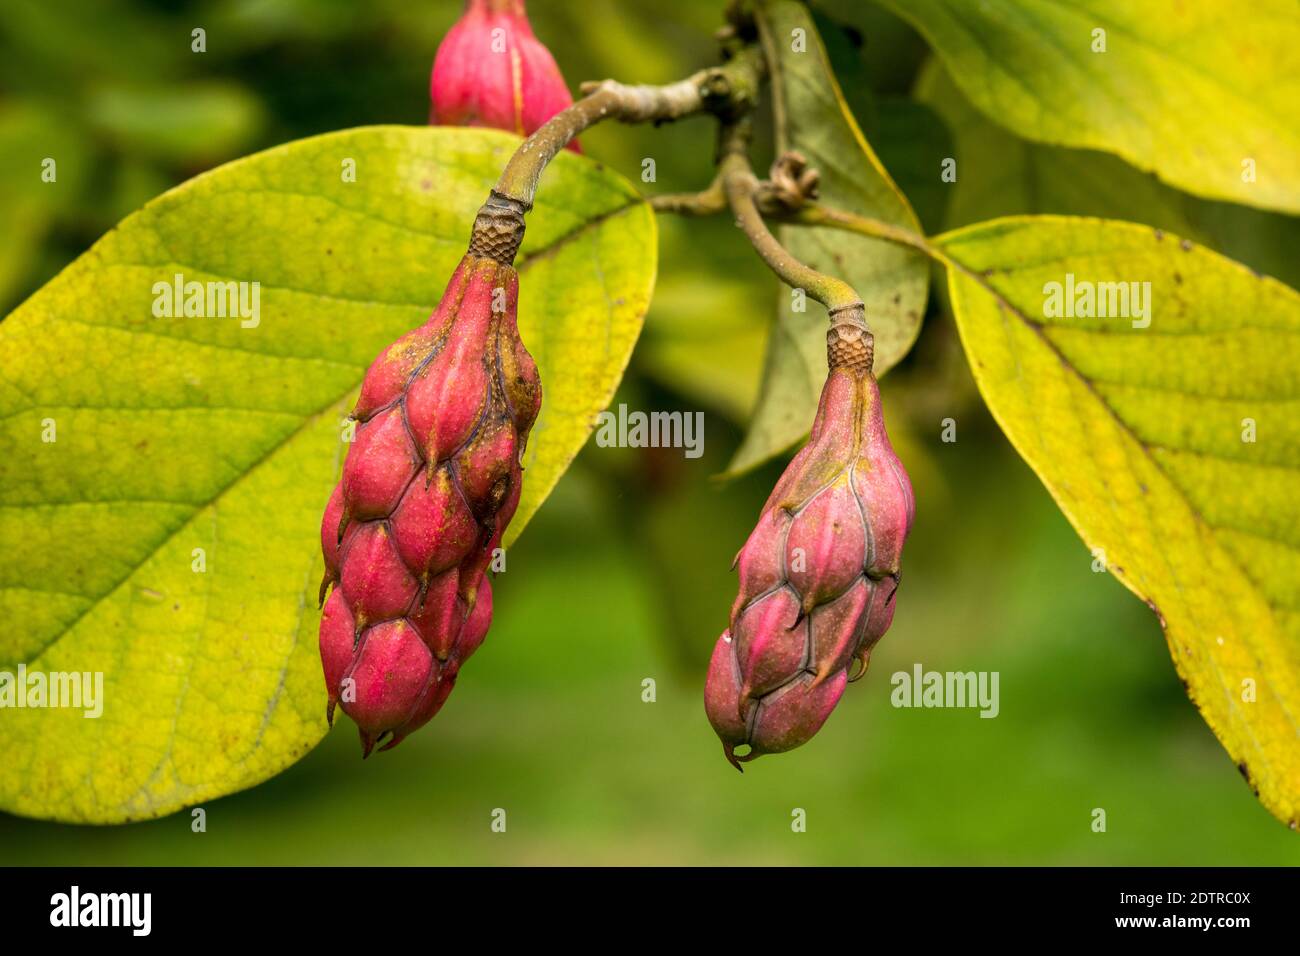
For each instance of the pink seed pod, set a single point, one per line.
(819, 572)
(429, 485)
(490, 70)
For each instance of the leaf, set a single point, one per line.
(914, 142)
(892, 50)
(1187, 90)
(183, 434)
(1001, 174)
(811, 117)
(910, 138)
(1138, 435)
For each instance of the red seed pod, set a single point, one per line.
(490, 70)
(818, 573)
(429, 485)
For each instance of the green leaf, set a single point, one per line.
(1141, 435)
(182, 434)
(811, 117)
(910, 138)
(914, 142)
(1001, 174)
(892, 50)
(1190, 91)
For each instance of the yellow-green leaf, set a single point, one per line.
(1003, 175)
(1206, 94)
(167, 537)
(1171, 441)
(811, 117)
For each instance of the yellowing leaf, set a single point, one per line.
(168, 536)
(811, 117)
(1170, 441)
(1003, 175)
(1206, 94)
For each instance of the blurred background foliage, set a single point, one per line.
(625, 574)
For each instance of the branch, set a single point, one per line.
(815, 214)
(728, 91)
(742, 189)
(708, 202)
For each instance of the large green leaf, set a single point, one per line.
(811, 117)
(1187, 88)
(1141, 435)
(1000, 174)
(909, 138)
(892, 49)
(181, 434)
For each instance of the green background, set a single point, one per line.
(624, 575)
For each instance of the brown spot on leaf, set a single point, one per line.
(1160, 617)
